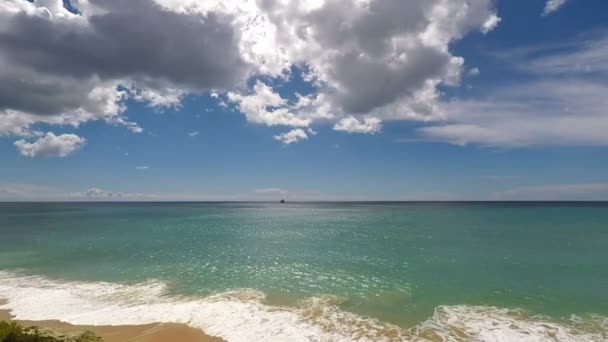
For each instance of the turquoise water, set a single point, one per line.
(395, 263)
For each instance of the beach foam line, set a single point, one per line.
(244, 316)
(480, 323)
(232, 315)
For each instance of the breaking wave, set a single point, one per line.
(245, 316)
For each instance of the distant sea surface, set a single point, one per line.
(314, 271)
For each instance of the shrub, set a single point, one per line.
(15, 332)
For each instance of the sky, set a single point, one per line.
(209, 100)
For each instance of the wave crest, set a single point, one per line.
(244, 315)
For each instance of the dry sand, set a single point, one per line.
(156, 332)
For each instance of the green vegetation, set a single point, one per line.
(14, 332)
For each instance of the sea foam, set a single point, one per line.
(245, 316)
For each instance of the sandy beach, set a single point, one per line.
(156, 332)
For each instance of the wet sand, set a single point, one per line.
(156, 332)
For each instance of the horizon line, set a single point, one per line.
(311, 201)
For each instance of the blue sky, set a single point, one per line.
(508, 108)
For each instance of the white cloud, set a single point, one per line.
(14, 123)
(381, 58)
(98, 194)
(159, 98)
(271, 191)
(490, 24)
(369, 54)
(583, 57)
(51, 145)
(563, 104)
(552, 6)
(376, 58)
(277, 193)
(350, 124)
(473, 72)
(264, 106)
(142, 168)
(82, 76)
(193, 134)
(293, 136)
(563, 192)
(98, 102)
(30, 192)
(538, 113)
(368, 61)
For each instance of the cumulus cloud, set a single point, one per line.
(552, 6)
(111, 45)
(368, 125)
(384, 58)
(490, 24)
(293, 136)
(13, 123)
(368, 62)
(64, 68)
(50, 145)
(376, 58)
(159, 98)
(367, 55)
(264, 106)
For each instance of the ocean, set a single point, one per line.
(445, 271)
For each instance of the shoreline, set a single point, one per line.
(154, 332)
